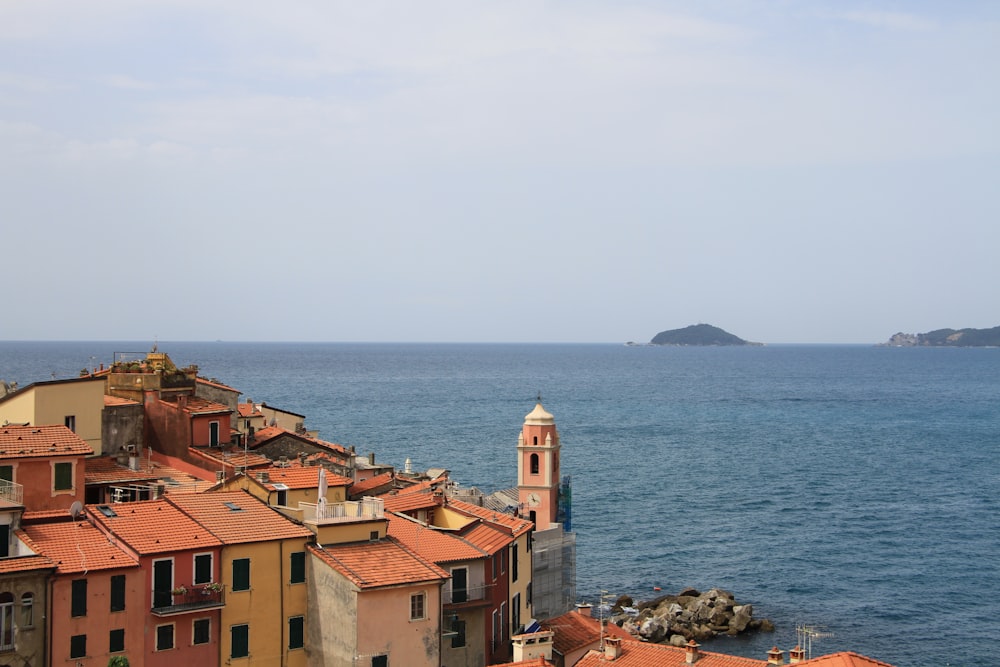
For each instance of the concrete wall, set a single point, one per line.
(121, 426)
(49, 403)
(331, 631)
(385, 628)
(29, 640)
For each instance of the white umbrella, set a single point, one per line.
(321, 493)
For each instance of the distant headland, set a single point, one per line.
(698, 334)
(947, 338)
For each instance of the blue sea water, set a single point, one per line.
(852, 488)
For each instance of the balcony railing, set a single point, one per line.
(11, 492)
(463, 595)
(365, 509)
(182, 600)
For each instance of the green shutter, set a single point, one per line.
(298, 574)
(240, 635)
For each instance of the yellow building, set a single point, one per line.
(77, 403)
(264, 620)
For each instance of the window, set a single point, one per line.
(118, 592)
(164, 637)
(239, 636)
(534, 464)
(503, 561)
(417, 607)
(241, 574)
(296, 634)
(213, 434)
(459, 584)
(78, 646)
(70, 421)
(493, 564)
(458, 639)
(380, 661)
(62, 477)
(202, 568)
(7, 473)
(495, 644)
(298, 574)
(515, 613)
(79, 599)
(503, 620)
(283, 498)
(27, 610)
(513, 561)
(201, 631)
(116, 641)
(4, 540)
(6, 621)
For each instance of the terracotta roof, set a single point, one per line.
(411, 501)
(434, 544)
(487, 537)
(196, 405)
(639, 654)
(248, 410)
(264, 435)
(45, 516)
(234, 456)
(77, 546)
(253, 521)
(573, 631)
(154, 527)
(106, 470)
(516, 525)
(536, 662)
(426, 486)
(844, 659)
(371, 484)
(118, 400)
(37, 561)
(377, 564)
(300, 477)
(37, 441)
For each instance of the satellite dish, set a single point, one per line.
(76, 509)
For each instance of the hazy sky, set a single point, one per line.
(498, 171)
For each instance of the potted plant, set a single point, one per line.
(180, 590)
(213, 587)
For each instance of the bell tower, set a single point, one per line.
(538, 468)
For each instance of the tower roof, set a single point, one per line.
(539, 417)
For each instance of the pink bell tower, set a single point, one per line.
(538, 468)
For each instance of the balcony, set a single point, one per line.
(470, 596)
(365, 509)
(184, 600)
(11, 492)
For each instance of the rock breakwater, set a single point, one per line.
(690, 614)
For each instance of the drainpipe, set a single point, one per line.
(281, 619)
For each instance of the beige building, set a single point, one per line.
(77, 404)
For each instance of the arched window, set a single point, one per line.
(27, 610)
(534, 464)
(6, 621)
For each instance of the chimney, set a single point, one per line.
(583, 609)
(371, 458)
(796, 655)
(691, 652)
(775, 656)
(263, 477)
(533, 645)
(612, 648)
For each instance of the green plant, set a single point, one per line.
(118, 661)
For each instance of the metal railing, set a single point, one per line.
(11, 492)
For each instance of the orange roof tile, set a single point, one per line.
(376, 564)
(300, 477)
(196, 405)
(844, 659)
(488, 538)
(573, 631)
(118, 400)
(371, 484)
(248, 410)
(154, 526)
(434, 544)
(106, 470)
(234, 456)
(536, 662)
(37, 561)
(253, 521)
(77, 546)
(37, 441)
(638, 654)
(263, 435)
(515, 524)
(411, 501)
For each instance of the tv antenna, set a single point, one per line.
(805, 634)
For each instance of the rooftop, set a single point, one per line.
(41, 441)
(434, 544)
(153, 526)
(77, 546)
(378, 564)
(236, 517)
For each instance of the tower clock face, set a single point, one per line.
(533, 499)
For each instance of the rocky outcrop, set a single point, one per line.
(690, 614)
(947, 338)
(698, 334)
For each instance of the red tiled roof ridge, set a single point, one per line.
(500, 519)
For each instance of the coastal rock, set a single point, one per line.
(689, 615)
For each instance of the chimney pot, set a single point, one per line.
(796, 655)
(583, 609)
(775, 656)
(691, 652)
(612, 648)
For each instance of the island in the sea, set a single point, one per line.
(698, 334)
(947, 338)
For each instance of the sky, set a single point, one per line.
(543, 171)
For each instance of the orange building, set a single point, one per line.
(97, 603)
(48, 462)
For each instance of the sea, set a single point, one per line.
(850, 490)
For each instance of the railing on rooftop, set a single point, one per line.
(182, 600)
(365, 509)
(11, 492)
